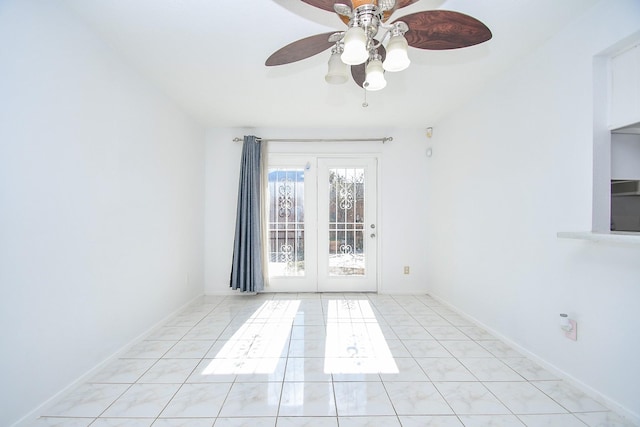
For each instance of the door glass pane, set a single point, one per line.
(346, 222)
(286, 222)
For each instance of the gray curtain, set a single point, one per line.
(247, 274)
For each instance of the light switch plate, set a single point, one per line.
(573, 333)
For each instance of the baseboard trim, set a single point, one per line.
(29, 419)
(585, 388)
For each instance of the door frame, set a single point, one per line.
(326, 282)
(309, 161)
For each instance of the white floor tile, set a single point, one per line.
(446, 333)
(246, 422)
(405, 332)
(385, 421)
(431, 421)
(311, 332)
(252, 399)
(123, 371)
(568, 396)
(470, 398)
(499, 349)
(524, 398)
(418, 398)
(490, 369)
(123, 422)
(212, 371)
(169, 371)
(261, 370)
(362, 398)
(184, 422)
(88, 400)
(398, 349)
(551, 420)
(529, 370)
(308, 422)
(307, 348)
(142, 400)
(445, 369)
(491, 421)
(306, 369)
(62, 422)
(197, 400)
(465, 349)
(148, 350)
(307, 399)
(168, 333)
(476, 333)
(188, 350)
(347, 360)
(604, 419)
(432, 319)
(426, 348)
(408, 370)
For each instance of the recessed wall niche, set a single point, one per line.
(625, 179)
(616, 136)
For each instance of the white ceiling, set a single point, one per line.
(208, 56)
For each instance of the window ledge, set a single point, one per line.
(602, 237)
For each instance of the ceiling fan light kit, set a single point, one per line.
(397, 56)
(374, 79)
(362, 45)
(355, 46)
(338, 72)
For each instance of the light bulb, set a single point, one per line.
(374, 75)
(337, 72)
(355, 47)
(397, 58)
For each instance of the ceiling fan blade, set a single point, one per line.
(328, 5)
(404, 3)
(399, 4)
(301, 49)
(444, 29)
(358, 72)
(322, 4)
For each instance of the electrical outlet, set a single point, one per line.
(406, 269)
(572, 334)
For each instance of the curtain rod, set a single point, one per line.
(383, 140)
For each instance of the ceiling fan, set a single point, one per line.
(361, 44)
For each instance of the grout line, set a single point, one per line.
(352, 315)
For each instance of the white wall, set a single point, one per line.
(101, 204)
(625, 156)
(402, 208)
(625, 87)
(509, 170)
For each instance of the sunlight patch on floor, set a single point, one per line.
(257, 346)
(355, 343)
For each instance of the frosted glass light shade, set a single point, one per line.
(337, 72)
(374, 76)
(355, 47)
(397, 58)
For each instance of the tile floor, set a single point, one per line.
(324, 360)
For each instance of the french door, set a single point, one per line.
(322, 229)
